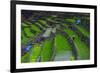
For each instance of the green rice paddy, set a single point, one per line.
(56, 47)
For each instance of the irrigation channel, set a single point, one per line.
(51, 38)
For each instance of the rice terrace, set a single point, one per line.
(48, 36)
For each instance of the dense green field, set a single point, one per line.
(51, 39)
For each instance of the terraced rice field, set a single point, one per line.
(54, 37)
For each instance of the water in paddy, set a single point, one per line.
(63, 49)
(63, 56)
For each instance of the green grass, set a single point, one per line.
(46, 53)
(70, 20)
(25, 58)
(83, 49)
(62, 44)
(24, 24)
(51, 17)
(35, 28)
(63, 47)
(28, 32)
(84, 31)
(42, 26)
(35, 52)
(25, 39)
(44, 23)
